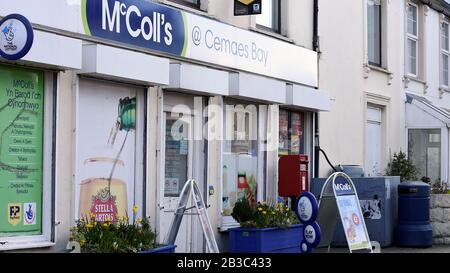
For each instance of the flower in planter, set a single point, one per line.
(114, 237)
(263, 215)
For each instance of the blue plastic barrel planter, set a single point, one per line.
(414, 227)
(163, 249)
(266, 240)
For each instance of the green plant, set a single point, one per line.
(401, 166)
(119, 237)
(439, 188)
(263, 215)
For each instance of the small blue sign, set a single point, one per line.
(342, 186)
(140, 23)
(16, 37)
(306, 208)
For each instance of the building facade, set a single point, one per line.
(133, 98)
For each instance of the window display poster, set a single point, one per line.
(105, 151)
(284, 133)
(21, 144)
(353, 222)
(176, 158)
(296, 133)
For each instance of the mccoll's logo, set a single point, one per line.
(342, 187)
(141, 23)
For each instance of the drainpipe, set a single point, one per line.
(315, 47)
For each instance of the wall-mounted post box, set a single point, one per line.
(293, 175)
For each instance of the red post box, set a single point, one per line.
(292, 175)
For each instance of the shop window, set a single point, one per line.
(190, 3)
(241, 156)
(374, 31)
(26, 157)
(424, 149)
(270, 16)
(291, 141)
(110, 150)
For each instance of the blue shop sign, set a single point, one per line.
(342, 186)
(140, 23)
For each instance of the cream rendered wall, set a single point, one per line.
(344, 73)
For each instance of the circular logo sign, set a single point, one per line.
(305, 248)
(16, 36)
(306, 207)
(311, 235)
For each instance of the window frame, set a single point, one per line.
(187, 3)
(278, 20)
(413, 38)
(48, 220)
(381, 32)
(445, 52)
(227, 221)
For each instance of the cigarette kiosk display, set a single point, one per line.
(292, 175)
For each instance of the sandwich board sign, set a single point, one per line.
(191, 190)
(339, 199)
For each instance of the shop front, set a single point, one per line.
(138, 108)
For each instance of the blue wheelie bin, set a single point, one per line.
(414, 227)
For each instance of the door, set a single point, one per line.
(373, 141)
(182, 160)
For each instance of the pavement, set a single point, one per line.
(433, 249)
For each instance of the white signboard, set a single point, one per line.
(226, 45)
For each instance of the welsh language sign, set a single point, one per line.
(21, 123)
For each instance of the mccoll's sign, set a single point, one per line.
(140, 23)
(160, 28)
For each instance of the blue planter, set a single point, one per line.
(163, 249)
(266, 240)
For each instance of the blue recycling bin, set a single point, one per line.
(414, 227)
(378, 198)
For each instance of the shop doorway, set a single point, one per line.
(182, 159)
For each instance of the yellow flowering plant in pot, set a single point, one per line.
(121, 236)
(264, 228)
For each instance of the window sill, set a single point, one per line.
(379, 69)
(20, 245)
(272, 34)
(415, 79)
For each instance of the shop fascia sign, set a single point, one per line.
(176, 32)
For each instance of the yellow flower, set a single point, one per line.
(139, 220)
(88, 226)
(82, 242)
(280, 205)
(260, 209)
(135, 208)
(106, 224)
(264, 212)
(273, 212)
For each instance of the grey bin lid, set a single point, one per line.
(351, 170)
(414, 188)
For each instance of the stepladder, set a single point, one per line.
(192, 192)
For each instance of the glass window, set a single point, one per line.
(445, 53)
(412, 39)
(240, 155)
(190, 3)
(424, 149)
(21, 151)
(291, 133)
(270, 15)
(374, 31)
